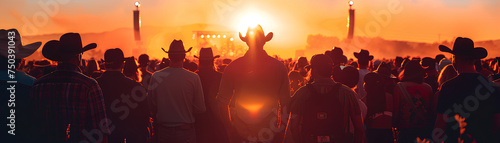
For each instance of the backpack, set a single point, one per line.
(322, 117)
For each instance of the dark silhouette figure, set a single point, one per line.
(66, 99)
(175, 95)
(125, 101)
(256, 91)
(209, 127)
(324, 109)
(131, 69)
(459, 94)
(432, 74)
(15, 96)
(143, 67)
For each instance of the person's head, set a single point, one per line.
(439, 57)
(255, 38)
(321, 66)
(176, 52)
(206, 58)
(446, 74)
(346, 75)
(114, 59)
(464, 53)
(363, 57)
(413, 72)
(91, 66)
(428, 62)
(68, 49)
(143, 60)
(130, 69)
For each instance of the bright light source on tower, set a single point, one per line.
(137, 4)
(351, 3)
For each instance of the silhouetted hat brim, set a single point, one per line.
(361, 56)
(177, 52)
(54, 51)
(207, 58)
(22, 51)
(477, 52)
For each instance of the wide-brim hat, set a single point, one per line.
(206, 54)
(11, 39)
(256, 33)
(176, 47)
(363, 55)
(69, 45)
(464, 47)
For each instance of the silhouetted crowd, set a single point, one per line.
(254, 98)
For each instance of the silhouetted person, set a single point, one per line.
(298, 74)
(209, 128)
(93, 69)
(66, 99)
(379, 115)
(324, 109)
(143, 67)
(256, 91)
(16, 127)
(364, 58)
(125, 101)
(131, 69)
(412, 114)
(469, 97)
(176, 95)
(432, 74)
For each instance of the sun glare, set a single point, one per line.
(251, 18)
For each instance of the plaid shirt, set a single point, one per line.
(65, 98)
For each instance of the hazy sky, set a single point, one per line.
(290, 20)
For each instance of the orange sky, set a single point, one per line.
(291, 21)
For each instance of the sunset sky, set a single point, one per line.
(290, 20)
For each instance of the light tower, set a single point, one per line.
(350, 21)
(137, 22)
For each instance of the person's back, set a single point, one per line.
(68, 106)
(469, 98)
(256, 89)
(68, 99)
(125, 101)
(319, 109)
(257, 83)
(474, 88)
(173, 91)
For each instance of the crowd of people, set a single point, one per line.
(255, 98)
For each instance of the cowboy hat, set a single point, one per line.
(11, 38)
(464, 47)
(206, 54)
(69, 45)
(363, 54)
(177, 47)
(256, 32)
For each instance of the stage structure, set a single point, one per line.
(223, 43)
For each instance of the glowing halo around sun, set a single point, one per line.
(252, 18)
